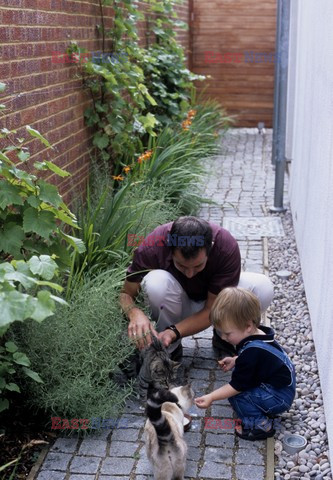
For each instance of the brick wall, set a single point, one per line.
(45, 94)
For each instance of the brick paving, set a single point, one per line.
(241, 182)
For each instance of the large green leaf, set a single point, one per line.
(9, 194)
(44, 266)
(40, 222)
(44, 307)
(49, 193)
(101, 141)
(11, 238)
(14, 306)
(75, 242)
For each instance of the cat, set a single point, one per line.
(157, 369)
(164, 430)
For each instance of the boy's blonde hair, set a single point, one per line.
(237, 306)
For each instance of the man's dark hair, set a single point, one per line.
(194, 232)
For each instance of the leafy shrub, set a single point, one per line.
(77, 351)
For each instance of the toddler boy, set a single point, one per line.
(263, 381)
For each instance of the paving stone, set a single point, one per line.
(51, 475)
(249, 457)
(123, 449)
(191, 469)
(258, 444)
(193, 439)
(85, 464)
(245, 472)
(133, 421)
(194, 453)
(82, 477)
(93, 447)
(218, 455)
(143, 466)
(129, 434)
(56, 461)
(217, 470)
(199, 374)
(222, 411)
(118, 466)
(65, 445)
(223, 440)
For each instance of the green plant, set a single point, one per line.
(117, 86)
(30, 242)
(30, 207)
(77, 352)
(164, 64)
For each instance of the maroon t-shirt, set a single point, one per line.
(222, 268)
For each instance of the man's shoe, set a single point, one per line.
(221, 347)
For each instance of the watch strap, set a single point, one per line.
(175, 330)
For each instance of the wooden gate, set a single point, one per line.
(233, 41)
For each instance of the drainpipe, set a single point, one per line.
(280, 102)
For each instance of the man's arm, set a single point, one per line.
(190, 325)
(139, 327)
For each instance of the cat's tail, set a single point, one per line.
(158, 420)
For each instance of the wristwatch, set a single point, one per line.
(175, 330)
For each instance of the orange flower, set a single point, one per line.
(186, 124)
(145, 156)
(127, 169)
(119, 178)
(191, 113)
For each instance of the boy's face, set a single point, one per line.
(232, 334)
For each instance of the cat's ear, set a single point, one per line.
(175, 365)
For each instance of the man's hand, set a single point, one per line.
(227, 363)
(140, 329)
(167, 337)
(203, 402)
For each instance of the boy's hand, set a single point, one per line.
(203, 402)
(227, 363)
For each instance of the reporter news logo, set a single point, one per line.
(134, 240)
(85, 423)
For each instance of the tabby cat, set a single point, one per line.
(165, 446)
(157, 370)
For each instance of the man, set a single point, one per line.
(181, 267)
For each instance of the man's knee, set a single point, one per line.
(260, 285)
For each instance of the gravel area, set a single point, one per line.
(289, 317)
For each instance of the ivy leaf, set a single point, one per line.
(144, 90)
(59, 171)
(4, 404)
(9, 195)
(32, 374)
(49, 193)
(23, 156)
(11, 238)
(12, 387)
(33, 201)
(21, 359)
(44, 306)
(101, 141)
(44, 266)
(40, 222)
(35, 133)
(11, 347)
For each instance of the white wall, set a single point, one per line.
(310, 146)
